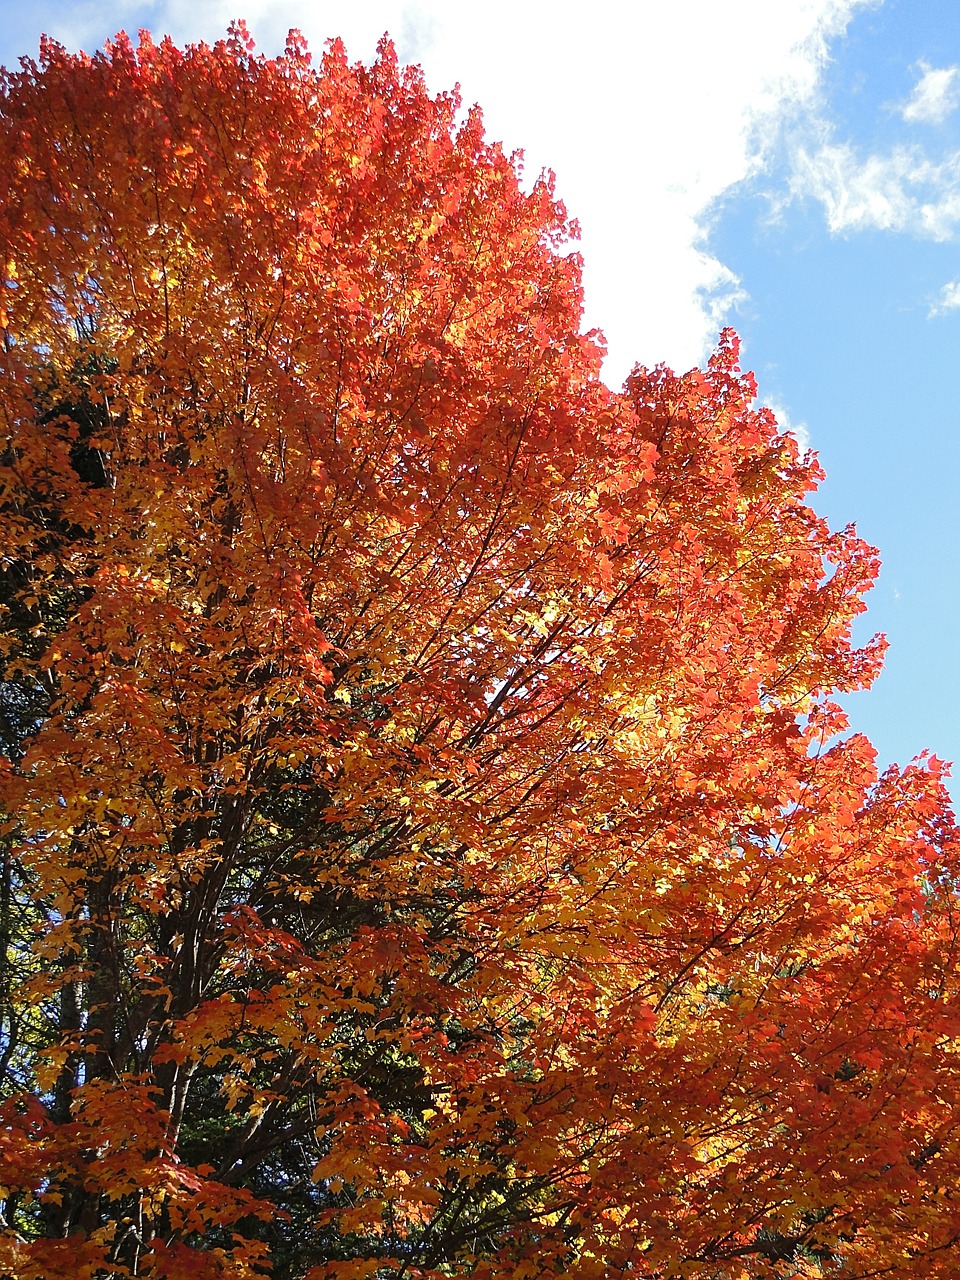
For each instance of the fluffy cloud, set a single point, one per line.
(902, 190)
(949, 299)
(935, 95)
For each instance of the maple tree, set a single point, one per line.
(429, 848)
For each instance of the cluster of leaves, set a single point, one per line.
(428, 849)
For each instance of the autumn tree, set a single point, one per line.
(430, 846)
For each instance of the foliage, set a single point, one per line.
(428, 846)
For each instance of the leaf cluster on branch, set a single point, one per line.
(428, 844)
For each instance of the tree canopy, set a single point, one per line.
(430, 843)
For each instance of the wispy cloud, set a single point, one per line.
(949, 299)
(419, 30)
(902, 190)
(935, 95)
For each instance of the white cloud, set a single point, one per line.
(646, 112)
(417, 33)
(935, 95)
(902, 190)
(949, 299)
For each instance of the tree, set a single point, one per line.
(430, 848)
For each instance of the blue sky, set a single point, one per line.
(791, 167)
(845, 247)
